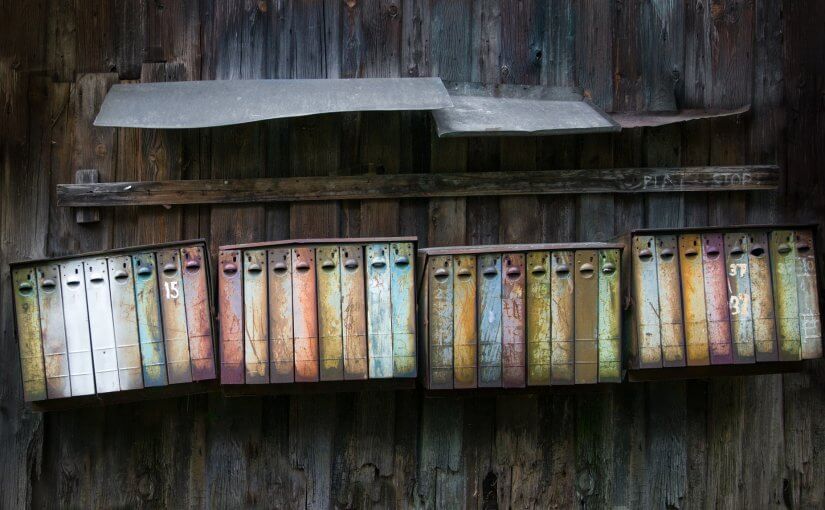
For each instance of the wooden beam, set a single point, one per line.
(361, 187)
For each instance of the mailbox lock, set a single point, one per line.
(351, 264)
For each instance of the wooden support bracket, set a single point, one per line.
(86, 177)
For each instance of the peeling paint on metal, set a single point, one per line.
(670, 302)
(330, 328)
(586, 308)
(716, 297)
(101, 325)
(693, 298)
(513, 355)
(255, 320)
(402, 287)
(28, 332)
(305, 315)
(740, 304)
(786, 299)
(53, 331)
(122, 289)
(281, 349)
(440, 280)
(379, 311)
(538, 318)
(764, 323)
(198, 314)
(173, 315)
(464, 321)
(147, 301)
(489, 320)
(354, 312)
(810, 327)
(561, 314)
(646, 302)
(610, 317)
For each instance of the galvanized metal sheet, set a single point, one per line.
(379, 311)
(716, 297)
(440, 300)
(27, 310)
(500, 116)
(764, 322)
(465, 342)
(230, 306)
(610, 317)
(513, 355)
(281, 350)
(53, 331)
(255, 319)
(354, 312)
(305, 315)
(670, 302)
(810, 328)
(122, 289)
(198, 314)
(538, 318)
(646, 302)
(198, 104)
(489, 320)
(740, 306)
(586, 308)
(693, 298)
(150, 331)
(561, 316)
(330, 327)
(402, 288)
(786, 299)
(101, 325)
(173, 315)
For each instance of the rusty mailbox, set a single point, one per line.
(104, 323)
(719, 300)
(513, 316)
(327, 310)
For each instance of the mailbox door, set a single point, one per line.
(586, 307)
(122, 289)
(786, 299)
(764, 323)
(198, 314)
(739, 298)
(513, 355)
(716, 296)
(173, 316)
(354, 312)
(305, 316)
(379, 311)
(255, 320)
(150, 332)
(330, 328)
(53, 330)
(809, 321)
(489, 320)
(562, 334)
(27, 310)
(101, 325)
(281, 354)
(464, 321)
(402, 286)
(693, 297)
(230, 306)
(440, 299)
(646, 302)
(610, 317)
(538, 318)
(76, 317)
(670, 302)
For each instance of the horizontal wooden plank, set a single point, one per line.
(360, 187)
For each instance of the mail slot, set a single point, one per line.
(104, 323)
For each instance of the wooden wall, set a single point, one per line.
(752, 442)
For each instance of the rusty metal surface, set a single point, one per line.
(786, 298)
(173, 316)
(646, 301)
(538, 318)
(562, 331)
(230, 306)
(255, 319)
(810, 327)
(440, 299)
(101, 325)
(27, 309)
(124, 311)
(489, 320)
(198, 314)
(740, 304)
(586, 307)
(281, 349)
(610, 317)
(465, 342)
(402, 289)
(330, 328)
(150, 332)
(716, 297)
(764, 323)
(379, 311)
(513, 355)
(53, 331)
(354, 312)
(670, 301)
(305, 315)
(693, 298)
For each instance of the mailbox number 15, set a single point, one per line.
(171, 289)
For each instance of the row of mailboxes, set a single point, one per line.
(719, 297)
(308, 311)
(521, 315)
(116, 321)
